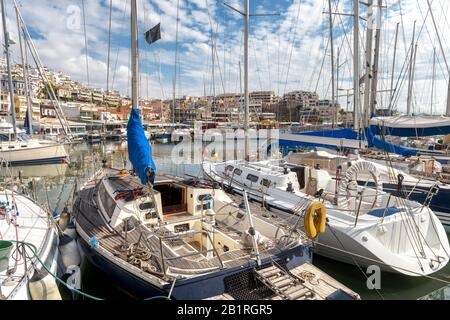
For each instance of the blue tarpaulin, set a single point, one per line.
(376, 142)
(139, 149)
(346, 133)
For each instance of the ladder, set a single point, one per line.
(283, 284)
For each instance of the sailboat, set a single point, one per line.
(16, 147)
(365, 225)
(159, 235)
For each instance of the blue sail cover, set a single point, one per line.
(375, 141)
(139, 149)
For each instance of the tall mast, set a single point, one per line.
(8, 64)
(176, 63)
(356, 64)
(333, 90)
(134, 56)
(368, 73)
(433, 80)
(410, 85)
(25, 74)
(246, 94)
(373, 99)
(393, 67)
(443, 56)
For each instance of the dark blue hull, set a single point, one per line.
(198, 288)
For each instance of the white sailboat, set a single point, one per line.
(16, 147)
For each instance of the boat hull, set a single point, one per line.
(40, 154)
(197, 288)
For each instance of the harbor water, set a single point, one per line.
(55, 185)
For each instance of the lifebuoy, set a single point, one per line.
(349, 183)
(315, 220)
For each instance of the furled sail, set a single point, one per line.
(139, 148)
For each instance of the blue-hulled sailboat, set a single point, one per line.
(158, 235)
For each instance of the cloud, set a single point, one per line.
(286, 53)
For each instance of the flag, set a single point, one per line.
(154, 34)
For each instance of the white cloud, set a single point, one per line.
(273, 44)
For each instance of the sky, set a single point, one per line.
(288, 51)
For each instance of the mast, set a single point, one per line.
(135, 56)
(246, 94)
(175, 66)
(368, 73)
(443, 56)
(8, 64)
(373, 99)
(333, 90)
(25, 74)
(356, 64)
(434, 79)
(411, 61)
(393, 67)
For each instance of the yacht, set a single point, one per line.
(20, 149)
(365, 225)
(402, 179)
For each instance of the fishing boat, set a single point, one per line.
(365, 225)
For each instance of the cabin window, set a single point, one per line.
(181, 228)
(237, 172)
(204, 197)
(229, 168)
(146, 206)
(252, 178)
(266, 183)
(4, 137)
(108, 202)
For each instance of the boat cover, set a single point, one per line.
(411, 126)
(139, 149)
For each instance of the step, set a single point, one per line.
(271, 273)
(266, 271)
(283, 283)
(299, 293)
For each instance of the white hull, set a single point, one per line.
(32, 152)
(373, 241)
(33, 228)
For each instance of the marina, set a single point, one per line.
(249, 196)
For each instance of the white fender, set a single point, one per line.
(349, 183)
(42, 286)
(71, 231)
(74, 280)
(69, 252)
